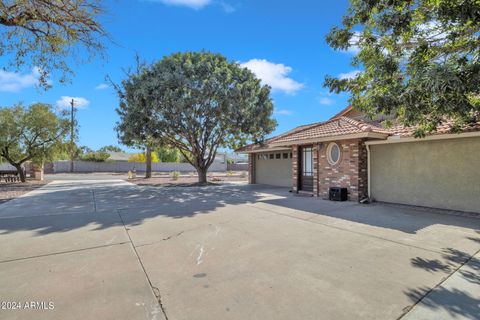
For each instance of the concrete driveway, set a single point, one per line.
(106, 249)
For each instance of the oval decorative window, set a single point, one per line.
(333, 153)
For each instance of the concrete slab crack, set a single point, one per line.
(155, 290)
(173, 236)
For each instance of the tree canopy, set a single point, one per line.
(42, 33)
(197, 102)
(30, 133)
(419, 60)
(110, 148)
(167, 154)
(95, 156)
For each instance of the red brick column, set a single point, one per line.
(362, 170)
(295, 168)
(350, 172)
(251, 168)
(315, 151)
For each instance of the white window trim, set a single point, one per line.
(329, 154)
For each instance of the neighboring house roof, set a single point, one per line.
(118, 156)
(342, 126)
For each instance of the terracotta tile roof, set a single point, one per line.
(342, 112)
(335, 127)
(444, 128)
(340, 126)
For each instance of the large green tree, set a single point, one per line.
(42, 33)
(419, 60)
(32, 133)
(197, 102)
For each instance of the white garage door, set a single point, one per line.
(274, 168)
(442, 173)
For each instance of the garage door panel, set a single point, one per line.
(441, 173)
(275, 172)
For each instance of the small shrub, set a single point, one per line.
(175, 175)
(230, 173)
(243, 174)
(141, 157)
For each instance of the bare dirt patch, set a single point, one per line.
(188, 179)
(12, 190)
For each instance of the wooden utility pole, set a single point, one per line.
(72, 134)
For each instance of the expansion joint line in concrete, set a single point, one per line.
(438, 285)
(94, 201)
(155, 290)
(64, 252)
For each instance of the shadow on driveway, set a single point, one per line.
(458, 296)
(142, 202)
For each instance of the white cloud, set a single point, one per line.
(194, 4)
(228, 8)
(354, 48)
(274, 75)
(349, 75)
(326, 101)
(101, 86)
(80, 103)
(14, 82)
(283, 112)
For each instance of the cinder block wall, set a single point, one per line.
(85, 166)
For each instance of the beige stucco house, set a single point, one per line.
(441, 170)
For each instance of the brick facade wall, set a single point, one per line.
(350, 172)
(362, 171)
(316, 154)
(295, 168)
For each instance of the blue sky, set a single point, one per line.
(283, 42)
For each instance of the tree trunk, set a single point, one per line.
(20, 171)
(202, 175)
(148, 170)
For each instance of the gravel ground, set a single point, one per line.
(188, 180)
(9, 191)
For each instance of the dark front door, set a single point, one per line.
(306, 168)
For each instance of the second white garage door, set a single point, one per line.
(274, 168)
